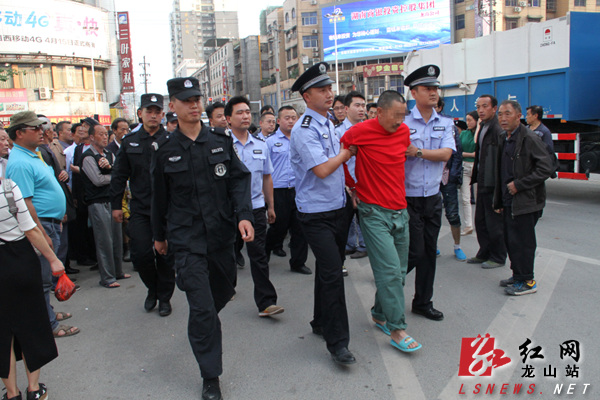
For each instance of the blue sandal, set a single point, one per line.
(383, 328)
(403, 345)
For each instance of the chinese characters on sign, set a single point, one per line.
(127, 84)
(382, 69)
(47, 27)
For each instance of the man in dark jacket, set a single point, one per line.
(520, 194)
(488, 224)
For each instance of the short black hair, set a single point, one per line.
(74, 127)
(212, 107)
(234, 101)
(371, 105)
(12, 132)
(514, 104)
(536, 110)
(388, 97)
(265, 114)
(283, 108)
(492, 99)
(266, 108)
(116, 122)
(350, 96)
(339, 98)
(441, 104)
(60, 125)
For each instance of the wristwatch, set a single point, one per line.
(419, 153)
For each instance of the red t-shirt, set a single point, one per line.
(379, 163)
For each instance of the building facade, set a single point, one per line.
(59, 59)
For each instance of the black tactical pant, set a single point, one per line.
(156, 270)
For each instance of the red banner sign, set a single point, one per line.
(125, 58)
(382, 69)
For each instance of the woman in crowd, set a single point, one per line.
(468, 145)
(25, 331)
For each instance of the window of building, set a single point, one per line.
(99, 77)
(458, 1)
(597, 3)
(288, 54)
(397, 83)
(310, 18)
(294, 52)
(510, 3)
(376, 85)
(293, 13)
(579, 3)
(534, 3)
(287, 17)
(459, 21)
(310, 41)
(511, 24)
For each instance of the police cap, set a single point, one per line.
(315, 76)
(171, 116)
(152, 99)
(184, 88)
(425, 76)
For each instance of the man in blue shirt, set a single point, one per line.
(432, 143)
(317, 158)
(42, 193)
(284, 194)
(254, 153)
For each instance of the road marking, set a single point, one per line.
(519, 317)
(558, 203)
(405, 384)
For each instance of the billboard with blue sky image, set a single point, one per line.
(371, 28)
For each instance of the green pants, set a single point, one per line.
(386, 235)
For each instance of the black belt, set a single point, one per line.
(53, 220)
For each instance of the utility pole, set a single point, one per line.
(145, 75)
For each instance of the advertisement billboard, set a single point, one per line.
(125, 57)
(53, 27)
(371, 28)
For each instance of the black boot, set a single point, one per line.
(211, 390)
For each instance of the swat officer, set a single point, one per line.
(200, 197)
(132, 163)
(317, 157)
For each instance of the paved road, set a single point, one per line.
(126, 353)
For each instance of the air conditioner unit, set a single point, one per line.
(315, 49)
(518, 9)
(315, 31)
(314, 2)
(45, 93)
(522, 4)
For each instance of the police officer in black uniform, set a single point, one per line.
(200, 198)
(133, 163)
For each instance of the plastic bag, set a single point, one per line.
(64, 288)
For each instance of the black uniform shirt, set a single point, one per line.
(198, 188)
(133, 163)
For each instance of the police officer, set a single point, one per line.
(254, 154)
(133, 163)
(171, 121)
(200, 198)
(431, 144)
(284, 195)
(317, 158)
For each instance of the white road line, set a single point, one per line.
(518, 319)
(574, 257)
(405, 384)
(557, 203)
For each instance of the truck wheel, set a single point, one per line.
(589, 161)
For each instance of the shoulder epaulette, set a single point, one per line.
(306, 121)
(160, 141)
(255, 136)
(219, 131)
